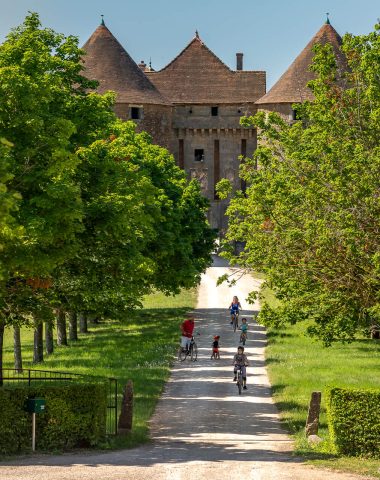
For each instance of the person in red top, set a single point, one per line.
(187, 329)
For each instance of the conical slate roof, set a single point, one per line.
(197, 75)
(292, 85)
(107, 62)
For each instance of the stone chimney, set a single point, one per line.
(239, 61)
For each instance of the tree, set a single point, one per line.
(310, 217)
(145, 226)
(42, 103)
(103, 216)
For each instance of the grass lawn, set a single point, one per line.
(298, 365)
(141, 348)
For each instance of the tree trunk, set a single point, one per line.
(83, 323)
(94, 319)
(375, 332)
(61, 328)
(49, 339)
(2, 328)
(38, 351)
(73, 326)
(17, 348)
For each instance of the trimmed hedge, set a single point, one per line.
(75, 416)
(354, 421)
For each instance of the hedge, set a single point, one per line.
(354, 421)
(75, 416)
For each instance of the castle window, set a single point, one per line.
(135, 113)
(293, 115)
(199, 155)
(214, 111)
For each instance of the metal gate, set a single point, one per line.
(30, 376)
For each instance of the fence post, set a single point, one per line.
(126, 413)
(313, 414)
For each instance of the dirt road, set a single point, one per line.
(201, 429)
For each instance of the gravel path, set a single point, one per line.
(201, 428)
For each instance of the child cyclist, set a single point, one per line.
(234, 307)
(244, 330)
(215, 348)
(240, 362)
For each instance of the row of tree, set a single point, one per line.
(311, 215)
(92, 215)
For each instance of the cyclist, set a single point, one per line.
(240, 362)
(234, 307)
(244, 329)
(215, 348)
(187, 329)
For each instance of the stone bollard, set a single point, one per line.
(313, 415)
(126, 414)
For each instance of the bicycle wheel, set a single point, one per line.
(235, 322)
(181, 354)
(194, 352)
(239, 382)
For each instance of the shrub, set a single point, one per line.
(354, 421)
(75, 416)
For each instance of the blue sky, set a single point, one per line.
(271, 33)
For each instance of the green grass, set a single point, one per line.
(141, 348)
(299, 365)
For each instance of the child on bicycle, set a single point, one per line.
(244, 330)
(215, 348)
(234, 307)
(240, 361)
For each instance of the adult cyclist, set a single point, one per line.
(234, 308)
(187, 329)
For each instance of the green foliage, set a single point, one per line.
(297, 367)
(75, 416)
(144, 226)
(41, 90)
(9, 200)
(310, 216)
(354, 422)
(140, 347)
(103, 216)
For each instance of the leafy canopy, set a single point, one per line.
(310, 217)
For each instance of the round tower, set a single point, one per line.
(137, 98)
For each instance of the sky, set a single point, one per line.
(270, 33)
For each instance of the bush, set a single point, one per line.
(75, 416)
(354, 421)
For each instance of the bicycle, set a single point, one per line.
(239, 381)
(243, 337)
(235, 320)
(192, 351)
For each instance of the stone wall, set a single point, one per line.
(185, 129)
(283, 109)
(155, 119)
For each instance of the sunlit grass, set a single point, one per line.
(140, 348)
(299, 365)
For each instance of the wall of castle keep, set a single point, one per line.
(221, 140)
(207, 147)
(155, 119)
(283, 109)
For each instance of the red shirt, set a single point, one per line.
(187, 328)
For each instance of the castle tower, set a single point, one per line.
(208, 100)
(137, 98)
(292, 86)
